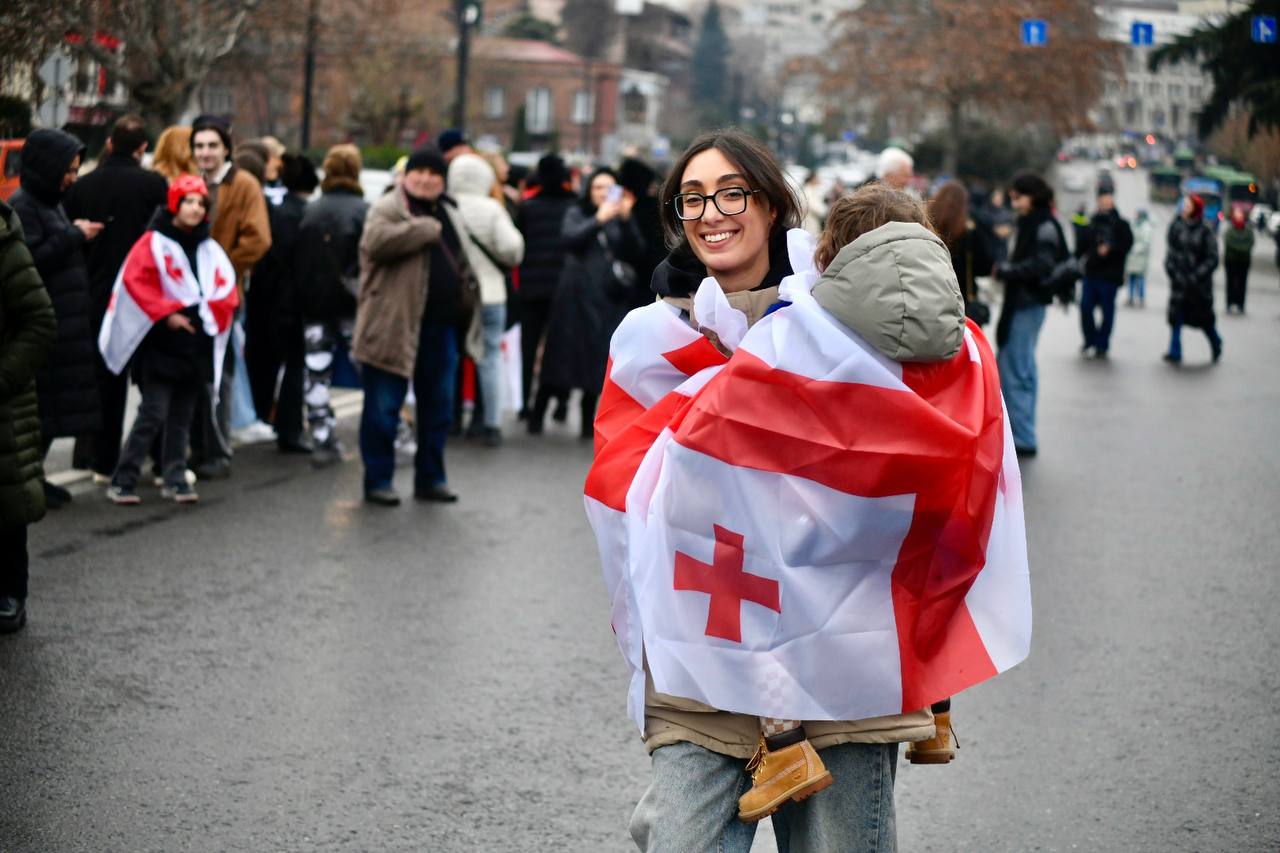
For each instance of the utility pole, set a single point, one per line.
(468, 15)
(309, 75)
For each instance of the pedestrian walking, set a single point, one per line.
(1191, 256)
(67, 385)
(238, 212)
(414, 297)
(28, 328)
(328, 280)
(172, 304)
(173, 153)
(494, 247)
(274, 348)
(603, 245)
(123, 196)
(815, 204)
(1237, 255)
(1108, 241)
(1038, 247)
(730, 209)
(1135, 267)
(949, 212)
(540, 219)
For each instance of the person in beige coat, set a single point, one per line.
(496, 246)
(699, 753)
(411, 313)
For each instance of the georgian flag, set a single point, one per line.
(155, 281)
(806, 530)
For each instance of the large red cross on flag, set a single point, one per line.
(880, 503)
(728, 586)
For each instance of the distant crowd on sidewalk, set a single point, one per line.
(236, 283)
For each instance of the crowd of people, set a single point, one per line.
(396, 296)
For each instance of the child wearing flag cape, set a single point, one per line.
(171, 305)
(783, 743)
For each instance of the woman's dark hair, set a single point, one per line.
(585, 201)
(1032, 185)
(949, 211)
(756, 163)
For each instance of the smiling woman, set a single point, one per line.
(724, 203)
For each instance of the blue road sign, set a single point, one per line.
(1264, 29)
(1143, 34)
(1035, 32)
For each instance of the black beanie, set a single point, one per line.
(427, 157)
(215, 123)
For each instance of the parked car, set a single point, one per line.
(10, 166)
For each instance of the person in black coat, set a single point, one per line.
(66, 387)
(273, 318)
(1104, 248)
(539, 219)
(123, 196)
(328, 278)
(641, 181)
(1190, 259)
(1038, 247)
(596, 291)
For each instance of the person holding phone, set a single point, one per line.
(67, 385)
(602, 244)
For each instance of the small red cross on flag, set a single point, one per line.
(727, 584)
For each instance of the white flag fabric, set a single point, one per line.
(805, 530)
(155, 281)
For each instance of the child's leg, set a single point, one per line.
(785, 768)
(152, 413)
(177, 432)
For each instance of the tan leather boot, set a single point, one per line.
(939, 749)
(791, 773)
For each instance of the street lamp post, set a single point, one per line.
(308, 75)
(468, 15)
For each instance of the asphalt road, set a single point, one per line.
(284, 669)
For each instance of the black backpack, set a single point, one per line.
(1060, 283)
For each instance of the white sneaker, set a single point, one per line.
(255, 433)
(159, 481)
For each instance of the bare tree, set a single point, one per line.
(959, 57)
(169, 48)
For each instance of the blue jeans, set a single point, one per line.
(384, 393)
(493, 320)
(691, 804)
(1018, 378)
(1137, 287)
(1096, 294)
(1175, 339)
(243, 412)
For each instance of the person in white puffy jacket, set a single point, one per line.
(496, 246)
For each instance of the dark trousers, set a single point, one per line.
(1094, 295)
(105, 444)
(534, 315)
(384, 393)
(166, 410)
(1237, 280)
(211, 425)
(13, 560)
(265, 354)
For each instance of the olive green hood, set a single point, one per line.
(895, 286)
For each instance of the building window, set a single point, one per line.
(1175, 91)
(1153, 88)
(537, 110)
(1194, 92)
(635, 106)
(494, 105)
(584, 111)
(217, 100)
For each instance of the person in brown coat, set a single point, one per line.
(240, 226)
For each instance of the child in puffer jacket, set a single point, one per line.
(888, 277)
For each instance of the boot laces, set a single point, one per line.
(756, 765)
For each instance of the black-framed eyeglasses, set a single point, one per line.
(730, 201)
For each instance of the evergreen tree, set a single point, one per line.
(711, 68)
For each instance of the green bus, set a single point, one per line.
(1239, 189)
(1164, 183)
(1184, 159)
